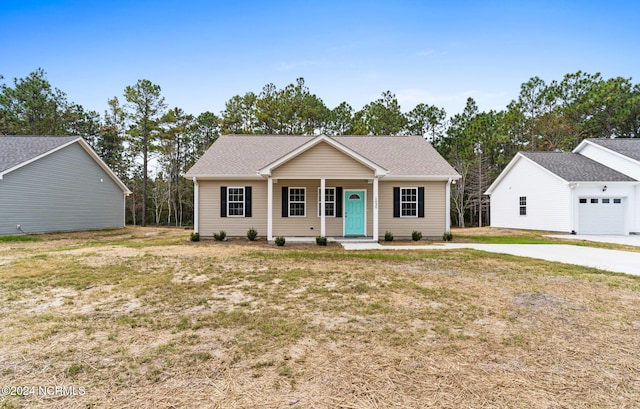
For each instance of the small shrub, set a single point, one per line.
(416, 235)
(195, 236)
(447, 236)
(388, 236)
(221, 235)
(252, 234)
(321, 241)
(280, 241)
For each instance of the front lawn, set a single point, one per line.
(144, 318)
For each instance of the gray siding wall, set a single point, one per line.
(66, 190)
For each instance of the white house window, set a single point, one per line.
(409, 202)
(235, 202)
(329, 202)
(297, 207)
(523, 205)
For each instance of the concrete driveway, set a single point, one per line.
(609, 260)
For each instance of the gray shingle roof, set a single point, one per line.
(244, 155)
(15, 150)
(401, 155)
(574, 167)
(625, 146)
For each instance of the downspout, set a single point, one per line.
(447, 217)
(124, 209)
(573, 207)
(196, 206)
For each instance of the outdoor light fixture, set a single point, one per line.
(604, 189)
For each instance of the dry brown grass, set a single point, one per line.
(143, 318)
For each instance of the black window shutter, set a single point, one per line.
(396, 202)
(420, 202)
(223, 201)
(247, 201)
(285, 201)
(338, 199)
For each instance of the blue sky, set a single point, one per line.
(204, 52)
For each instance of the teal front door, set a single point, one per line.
(354, 212)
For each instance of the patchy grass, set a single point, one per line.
(492, 235)
(510, 239)
(6, 239)
(145, 318)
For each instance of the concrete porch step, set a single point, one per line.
(330, 239)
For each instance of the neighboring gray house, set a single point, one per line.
(56, 183)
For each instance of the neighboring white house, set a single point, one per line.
(593, 190)
(56, 183)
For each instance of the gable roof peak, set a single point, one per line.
(629, 147)
(379, 170)
(19, 151)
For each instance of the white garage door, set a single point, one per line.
(601, 215)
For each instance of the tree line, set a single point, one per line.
(138, 130)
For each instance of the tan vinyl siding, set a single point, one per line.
(320, 161)
(210, 221)
(433, 223)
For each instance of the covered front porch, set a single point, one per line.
(298, 211)
(348, 204)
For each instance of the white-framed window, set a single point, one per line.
(235, 201)
(329, 201)
(297, 202)
(523, 205)
(408, 202)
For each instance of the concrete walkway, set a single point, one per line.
(609, 260)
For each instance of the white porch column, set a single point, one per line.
(375, 208)
(196, 206)
(447, 216)
(269, 208)
(323, 224)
